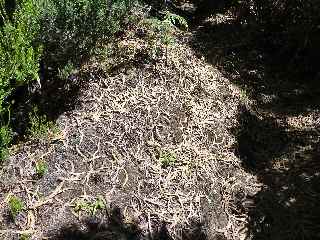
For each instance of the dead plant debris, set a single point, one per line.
(113, 140)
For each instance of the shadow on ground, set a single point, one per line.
(278, 139)
(281, 80)
(113, 227)
(286, 161)
(194, 11)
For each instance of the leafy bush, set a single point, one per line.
(71, 28)
(19, 57)
(66, 71)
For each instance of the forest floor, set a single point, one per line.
(167, 147)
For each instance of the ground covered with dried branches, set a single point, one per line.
(149, 135)
(171, 135)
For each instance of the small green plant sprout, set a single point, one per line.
(25, 236)
(16, 205)
(89, 206)
(66, 71)
(176, 20)
(40, 127)
(167, 158)
(41, 168)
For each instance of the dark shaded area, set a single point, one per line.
(207, 8)
(9, 7)
(55, 97)
(112, 227)
(259, 140)
(277, 78)
(196, 11)
(286, 161)
(271, 54)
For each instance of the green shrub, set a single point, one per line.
(161, 31)
(19, 57)
(176, 20)
(72, 28)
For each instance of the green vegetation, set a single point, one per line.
(41, 168)
(167, 158)
(66, 71)
(160, 31)
(61, 33)
(19, 58)
(72, 30)
(40, 127)
(176, 20)
(163, 29)
(16, 205)
(90, 207)
(156, 26)
(5, 138)
(25, 237)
